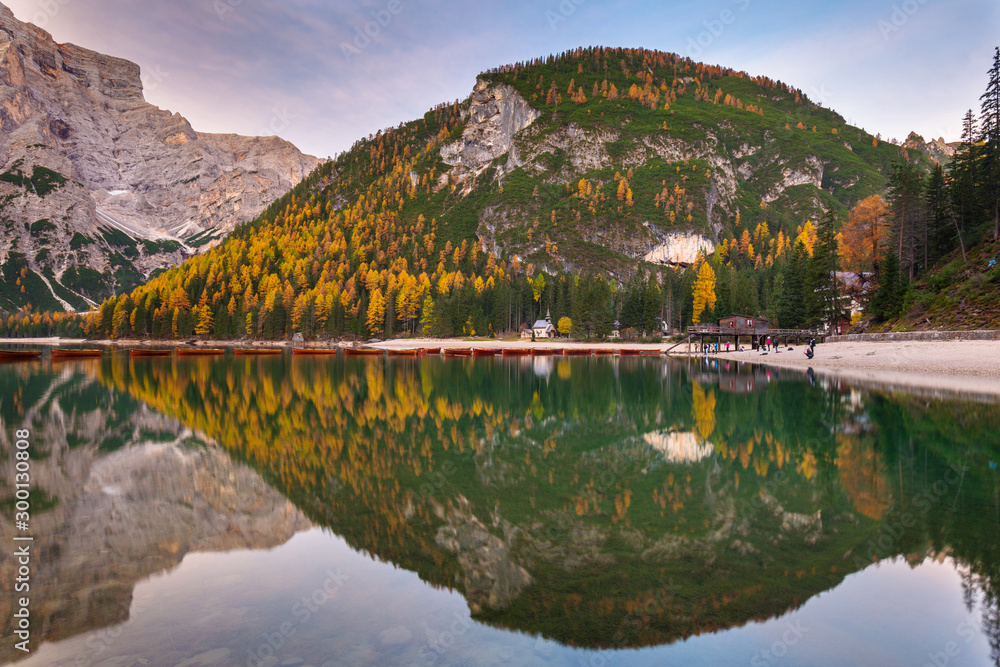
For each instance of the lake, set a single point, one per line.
(490, 511)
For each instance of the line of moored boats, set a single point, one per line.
(58, 354)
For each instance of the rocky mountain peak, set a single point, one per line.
(131, 188)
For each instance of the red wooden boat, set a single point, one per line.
(546, 352)
(604, 352)
(76, 354)
(413, 352)
(139, 352)
(458, 352)
(630, 353)
(200, 352)
(18, 355)
(650, 353)
(578, 352)
(482, 352)
(515, 352)
(363, 352)
(256, 351)
(315, 352)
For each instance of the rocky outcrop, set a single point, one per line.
(496, 115)
(681, 249)
(488, 575)
(808, 173)
(938, 149)
(81, 115)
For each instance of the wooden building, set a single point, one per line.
(744, 325)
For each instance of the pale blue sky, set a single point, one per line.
(271, 67)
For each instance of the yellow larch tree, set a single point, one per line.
(704, 291)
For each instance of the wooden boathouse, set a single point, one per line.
(754, 330)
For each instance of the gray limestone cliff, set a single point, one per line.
(124, 188)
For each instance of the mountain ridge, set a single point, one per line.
(486, 210)
(130, 188)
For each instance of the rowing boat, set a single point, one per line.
(481, 352)
(515, 352)
(415, 352)
(200, 352)
(76, 354)
(363, 352)
(314, 352)
(137, 352)
(256, 351)
(458, 352)
(17, 355)
(546, 352)
(578, 352)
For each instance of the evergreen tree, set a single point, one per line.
(887, 301)
(990, 126)
(651, 306)
(963, 172)
(905, 189)
(824, 301)
(791, 302)
(943, 233)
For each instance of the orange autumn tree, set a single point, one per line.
(864, 233)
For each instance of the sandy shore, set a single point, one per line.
(966, 367)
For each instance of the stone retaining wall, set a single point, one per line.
(904, 336)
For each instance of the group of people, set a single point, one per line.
(766, 343)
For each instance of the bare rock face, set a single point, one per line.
(936, 149)
(119, 166)
(496, 114)
(489, 576)
(681, 249)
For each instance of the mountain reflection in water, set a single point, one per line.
(600, 503)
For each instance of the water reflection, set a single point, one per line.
(121, 493)
(598, 503)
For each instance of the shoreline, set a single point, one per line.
(969, 368)
(963, 367)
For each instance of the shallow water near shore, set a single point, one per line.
(522, 511)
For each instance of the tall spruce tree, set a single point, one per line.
(791, 300)
(824, 298)
(990, 126)
(943, 232)
(905, 189)
(963, 172)
(887, 300)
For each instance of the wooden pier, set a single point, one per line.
(756, 336)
